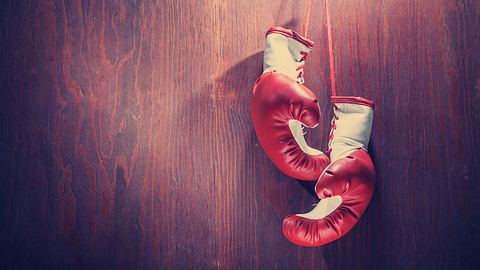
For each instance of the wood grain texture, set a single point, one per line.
(126, 141)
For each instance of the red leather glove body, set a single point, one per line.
(346, 186)
(281, 106)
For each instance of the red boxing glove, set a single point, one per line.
(281, 106)
(346, 186)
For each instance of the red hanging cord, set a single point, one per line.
(309, 8)
(330, 50)
(330, 42)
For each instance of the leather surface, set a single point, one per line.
(276, 100)
(352, 178)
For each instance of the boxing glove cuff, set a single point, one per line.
(351, 125)
(286, 52)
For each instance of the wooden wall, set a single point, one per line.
(126, 140)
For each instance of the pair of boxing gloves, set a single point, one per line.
(281, 107)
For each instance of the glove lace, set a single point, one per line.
(333, 127)
(301, 66)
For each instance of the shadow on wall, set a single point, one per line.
(220, 110)
(241, 77)
(229, 101)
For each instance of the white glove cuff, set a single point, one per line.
(351, 126)
(285, 52)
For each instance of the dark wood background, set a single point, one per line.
(126, 140)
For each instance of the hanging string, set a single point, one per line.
(309, 8)
(330, 42)
(330, 50)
